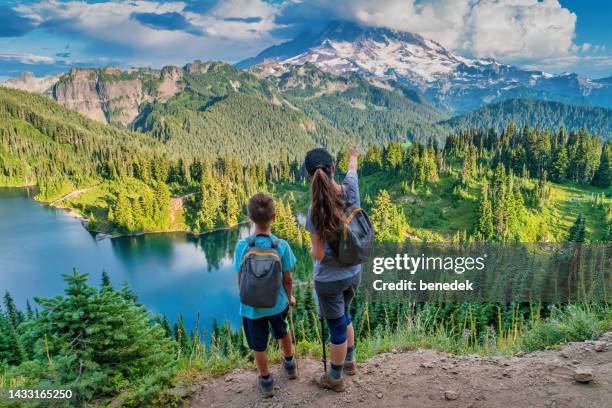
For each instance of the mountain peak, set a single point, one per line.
(451, 81)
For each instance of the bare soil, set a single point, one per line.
(427, 378)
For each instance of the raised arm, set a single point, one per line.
(353, 156)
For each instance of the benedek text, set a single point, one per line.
(408, 285)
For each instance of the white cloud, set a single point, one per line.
(26, 58)
(526, 32)
(505, 29)
(110, 25)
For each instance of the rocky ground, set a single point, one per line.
(578, 375)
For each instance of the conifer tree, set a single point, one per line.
(485, 227)
(13, 315)
(388, 220)
(577, 231)
(603, 175)
(96, 337)
(106, 282)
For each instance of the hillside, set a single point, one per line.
(369, 110)
(544, 114)
(60, 150)
(212, 108)
(225, 111)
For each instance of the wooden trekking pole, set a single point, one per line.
(324, 359)
(293, 340)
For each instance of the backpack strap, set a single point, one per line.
(251, 240)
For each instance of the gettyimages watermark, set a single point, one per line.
(490, 272)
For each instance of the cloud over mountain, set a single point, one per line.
(534, 33)
(511, 30)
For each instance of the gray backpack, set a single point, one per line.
(356, 240)
(357, 237)
(260, 275)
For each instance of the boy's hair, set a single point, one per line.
(261, 208)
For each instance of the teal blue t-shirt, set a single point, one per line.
(288, 261)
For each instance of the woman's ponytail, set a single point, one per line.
(327, 205)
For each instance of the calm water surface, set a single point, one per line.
(172, 273)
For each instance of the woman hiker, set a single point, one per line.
(335, 284)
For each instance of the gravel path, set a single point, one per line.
(579, 375)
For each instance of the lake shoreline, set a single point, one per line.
(85, 221)
(73, 212)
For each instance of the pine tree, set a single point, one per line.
(106, 282)
(162, 204)
(29, 311)
(13, 315)
(11, 349)
(577, 231)
(559, 165)
(97, 337)
(394, 155)
(231, 208)
(181, 335)
(603, 175)
(123, 211)
(485, 226)
(388, 220)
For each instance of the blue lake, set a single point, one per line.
(171, 273)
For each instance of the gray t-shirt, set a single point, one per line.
(323, 272)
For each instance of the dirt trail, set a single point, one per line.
(73, 194)
(426, 378)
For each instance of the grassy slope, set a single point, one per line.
(435, 213)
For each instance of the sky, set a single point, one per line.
(50, 36)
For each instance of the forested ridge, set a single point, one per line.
(520, 184)
(135, 175)
(233, 112)
(59, 150)
(544, 114)
(373, 112)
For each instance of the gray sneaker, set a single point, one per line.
(290, 368)
(266, 386)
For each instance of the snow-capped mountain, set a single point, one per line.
(451, 81)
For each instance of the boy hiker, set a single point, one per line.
(263, 264)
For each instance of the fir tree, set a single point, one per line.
(577, 231)
(485, 226)
(13, 315)
(388, 220)
(603, 175)
(97, 337)
(106, 282)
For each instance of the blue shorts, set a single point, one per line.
(257, 330)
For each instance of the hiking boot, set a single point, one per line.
(290, 368)
(325, 381)
(266, 385)
(350, 367)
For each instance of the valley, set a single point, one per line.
(158, 164)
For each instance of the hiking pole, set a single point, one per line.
(323, 344)
(293, 340)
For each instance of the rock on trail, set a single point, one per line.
(579, 375)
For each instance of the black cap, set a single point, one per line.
(318, 158)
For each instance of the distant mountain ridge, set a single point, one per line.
(452, 82)
(180, 104)
(544, 114)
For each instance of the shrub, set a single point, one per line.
(99, 344)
